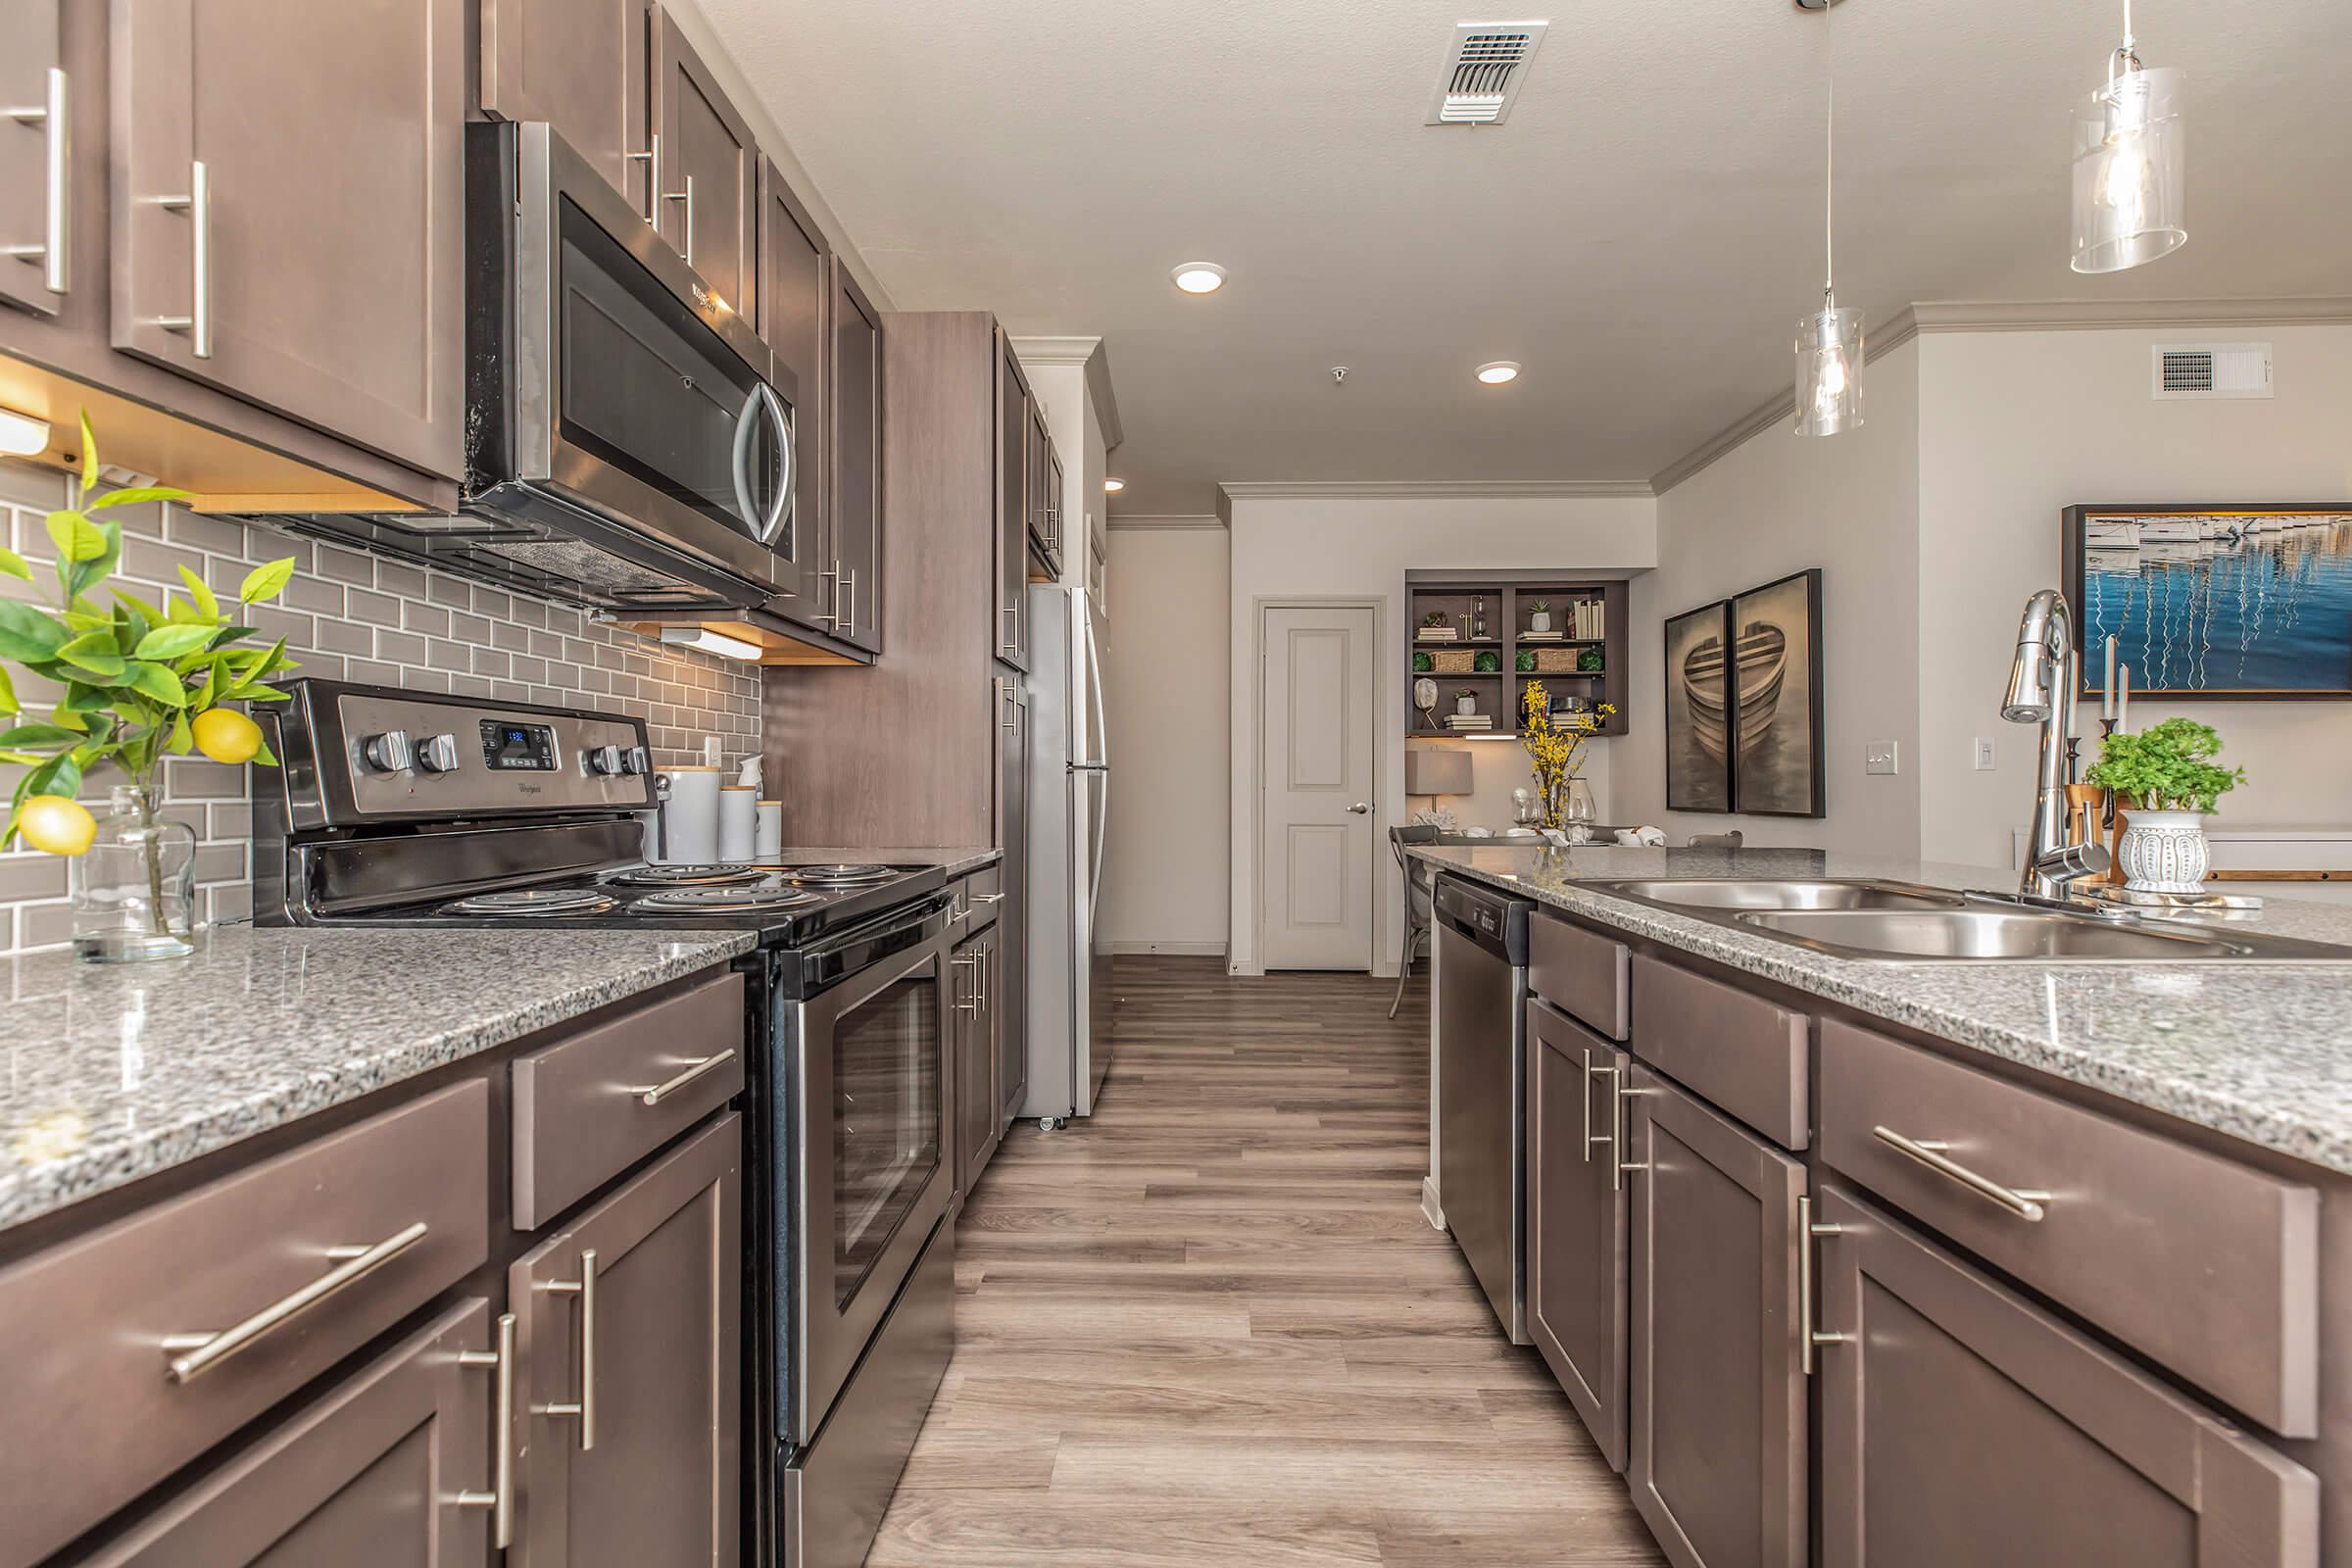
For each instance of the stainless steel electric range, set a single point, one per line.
(397, 808)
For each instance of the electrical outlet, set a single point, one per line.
(1984, 754)
(1880, 757)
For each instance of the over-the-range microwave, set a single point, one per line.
(631, 441)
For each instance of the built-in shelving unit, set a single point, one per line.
(1491, 613)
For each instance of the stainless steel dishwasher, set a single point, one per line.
(1482, 1014)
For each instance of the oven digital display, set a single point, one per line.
(510, 746)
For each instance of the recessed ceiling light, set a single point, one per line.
(1496, 372)
(21, 434)
(1112, 487)
(1199, 277)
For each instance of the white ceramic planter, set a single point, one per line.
(1538, 620)
(1465, 705)
(2164, 852)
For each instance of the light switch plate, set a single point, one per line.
(1880, 757)
(1984, 754)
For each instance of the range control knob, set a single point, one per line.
(438, 754)
(605, 759)
(634, 761)
(388, 753)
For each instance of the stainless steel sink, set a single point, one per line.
(1697, 893)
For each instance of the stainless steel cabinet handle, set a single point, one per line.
(655, 1093)
(499, 1499)
(686, 247)
(198, 205)
(53, 252)
(1012, 707)
(1621, 1127)
(992, 900)
(1589, 1139)
(2027, 1203)
(849, 580)
(984, 955)
(969, 999)
(1012, 644)
(1810, 1338)
(201, 1353)
(585, 1288)
(652, 159)
(831, 618)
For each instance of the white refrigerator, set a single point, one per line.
(1069, 810)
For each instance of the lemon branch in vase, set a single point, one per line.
(127, 683)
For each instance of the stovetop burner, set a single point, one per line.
(684, 876)
(535, 900)
(708, 900)
(839, 875)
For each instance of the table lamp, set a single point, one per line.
(1437, 772)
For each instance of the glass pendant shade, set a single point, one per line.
(2130, 172)
(1829, 373)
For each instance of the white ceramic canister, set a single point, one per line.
(690, 817)
(767, 837)
(738, 812)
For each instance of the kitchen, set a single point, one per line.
(782, 597)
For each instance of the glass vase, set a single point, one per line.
(133, 892)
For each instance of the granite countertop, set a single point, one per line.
(2260, 1052)
(115, 1072)
(955, 859)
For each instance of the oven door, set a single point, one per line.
(867, 1160)
(639, 395)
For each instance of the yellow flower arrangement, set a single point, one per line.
(1555, 748)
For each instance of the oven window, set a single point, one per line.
(886, 1120)
(650, 389)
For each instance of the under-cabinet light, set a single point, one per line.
(709, 642)
(22, 435)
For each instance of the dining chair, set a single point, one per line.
(1417, 885)
(1718, 841)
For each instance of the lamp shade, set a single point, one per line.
(1437, 770)
(2131, 171)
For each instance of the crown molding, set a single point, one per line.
(1090, 353)
(1167, 520)
(1055, 350)
(1426, 489)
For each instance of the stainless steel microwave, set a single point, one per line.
(629, 438)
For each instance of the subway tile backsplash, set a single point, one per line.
(351, 617)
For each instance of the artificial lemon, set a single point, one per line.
(57, 825)
(226, 735)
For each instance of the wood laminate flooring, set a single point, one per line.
(1212, 1327)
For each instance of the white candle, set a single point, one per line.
(2107, 708)
(2122, 702)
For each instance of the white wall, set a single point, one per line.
(1361, 547)
(2014, 426)
(1778, 503)
(1166, 686)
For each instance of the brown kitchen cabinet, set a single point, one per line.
(795, 290)
(978, 1131)
(856, 532)
(1056, 529)
(708, 171)
(391, 1465)
(628, 1371)
(36, 210)
(1013, 506)
(1962, 1426)
(316, 271)
(1009, 988)
(1037, 484)
(1577, 1241)
(1718, 1452)
(581, 65)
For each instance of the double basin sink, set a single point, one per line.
(1903, 922)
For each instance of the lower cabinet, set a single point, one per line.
(392, 1466)
(1718, 1414)
(1007, 980)
(1962, 1426)
(1576, 1219)
(978, 1130)
(629, 1368)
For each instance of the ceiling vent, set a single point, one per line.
(1483, 73)
(2210, 371)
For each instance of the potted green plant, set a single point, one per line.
(1434, 622)
(127, 683)
(1588, 661)
(2166, 779)
(1488, 661)
(1423, 663)
(1525, 660)
(1538, 616)
(1466, 701)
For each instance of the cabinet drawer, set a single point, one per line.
(984, 890)
(102, 1330)
(589, 1107)
(1579, 972)
(2205, 1265)
(1745, 1053)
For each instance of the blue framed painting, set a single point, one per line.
(2215, 602)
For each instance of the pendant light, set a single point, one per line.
(2131, 165)
(1829, 342)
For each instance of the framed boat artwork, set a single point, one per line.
(1777, 742)
(2213, 603)
(1699, 771)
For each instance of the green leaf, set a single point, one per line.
(263, 582)
(8, 695)
(14, 565)
(132, 497)
(201, 594)
(263, 754)
(76, 536)
(124, 598)
(182, 742)
(60, 776)
(159, 684)
(251, 663)
(89, 452)
(25, 735)
(256, 692)
(27, 635)
(171, 641)
(95, 652)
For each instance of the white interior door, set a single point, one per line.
(1315, 815)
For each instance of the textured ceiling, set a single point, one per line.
(1644, 234)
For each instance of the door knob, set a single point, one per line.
(1359, 808)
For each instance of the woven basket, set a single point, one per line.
(1555, 660)
(1454, 660)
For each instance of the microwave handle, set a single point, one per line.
(781, 508)
(742, 457)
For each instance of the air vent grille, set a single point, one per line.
(2210, 370)
(1484, 71)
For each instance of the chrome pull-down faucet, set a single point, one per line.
(2044, 679)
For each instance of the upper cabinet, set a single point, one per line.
(856, 515)
(796, 281)
(37, 188)
(1013, 505)
(581, 65)
(287, 210)
(706, 169)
